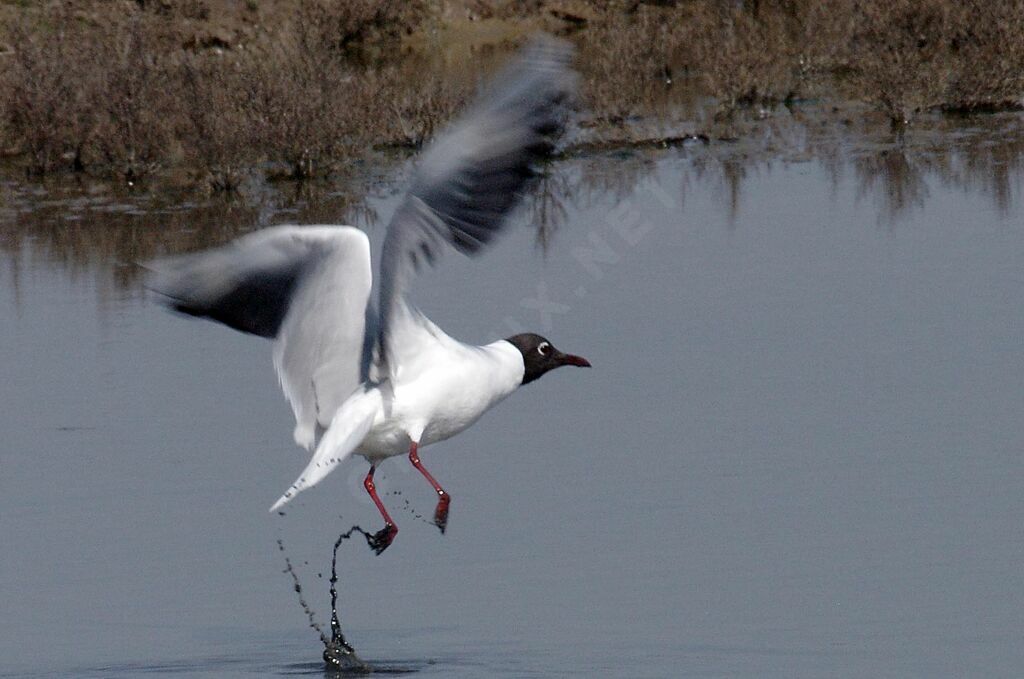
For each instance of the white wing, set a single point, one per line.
(469, 180)
(305, 287)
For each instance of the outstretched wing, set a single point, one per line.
(307, 288)
(473, 175)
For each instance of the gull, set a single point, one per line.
(375, 377)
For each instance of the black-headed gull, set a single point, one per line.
(379, 380)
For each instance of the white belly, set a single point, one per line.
(430, 399)
(435, 406)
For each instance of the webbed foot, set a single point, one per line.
(383, 538)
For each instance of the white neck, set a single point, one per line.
(510, 368)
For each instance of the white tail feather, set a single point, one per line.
(347, 430)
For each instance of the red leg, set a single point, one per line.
(379, 541)
(444, 499)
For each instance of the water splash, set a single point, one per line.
(339, 655)
(310, 615)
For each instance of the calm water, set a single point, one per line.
(799, 453)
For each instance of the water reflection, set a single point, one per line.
(981, 155)
(898, 184)
(806, 425)
(82, 229)
(78, 227)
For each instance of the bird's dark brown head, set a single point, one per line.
(540, 356)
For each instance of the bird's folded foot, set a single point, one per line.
(441, 513)
(383, 538)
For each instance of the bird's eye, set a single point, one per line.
(544, 349)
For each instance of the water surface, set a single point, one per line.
(798, 453)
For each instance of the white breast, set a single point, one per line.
(458, 384)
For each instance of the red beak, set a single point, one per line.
(579, 361)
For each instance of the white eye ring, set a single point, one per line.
(543, 348)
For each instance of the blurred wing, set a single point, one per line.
(307, 288)
(471, 177)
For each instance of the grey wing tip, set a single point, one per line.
(158, 276)
(163, 276)
(150, 273)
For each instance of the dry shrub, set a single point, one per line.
(297, 110)
(214, 101)
(746, 57)
(410, 108)
(355, 25)
(114, 98)
(126, 89)
(988, 49)
(747, 54)
(47, 102)
(626, 61)
(913, 55)
(904, 55)
(133, 132)
(297, 103)
(305, 91)
(190, 9)
(899, 51)
(83, 96)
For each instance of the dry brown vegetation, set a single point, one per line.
(905, 56)
(121, 98)
(298, 90)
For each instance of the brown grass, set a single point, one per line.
(904, 56)
(114, 98)
(48, 107)
(300, 90)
